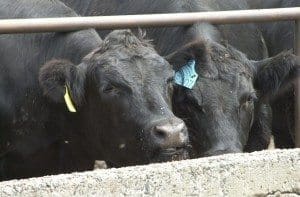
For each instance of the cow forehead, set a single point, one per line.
(149, 70)
(132, 56)
(227, 59)
(229, 87)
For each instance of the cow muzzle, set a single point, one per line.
(169, 138)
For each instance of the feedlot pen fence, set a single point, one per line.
(161, 20)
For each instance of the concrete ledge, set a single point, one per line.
(267, 173)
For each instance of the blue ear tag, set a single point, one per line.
(186, 76)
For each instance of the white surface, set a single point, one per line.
(274, 173)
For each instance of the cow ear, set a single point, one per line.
(62, 81)
(274, 74)
(198, 51)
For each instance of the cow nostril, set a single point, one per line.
(169, 135)
(160, 134)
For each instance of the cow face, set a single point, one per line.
(122, 94)
(221, 106)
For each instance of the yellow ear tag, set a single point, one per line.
(69, 102)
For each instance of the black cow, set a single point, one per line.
(120, 90)
(230, 95)
(166, 40)
(279, 36)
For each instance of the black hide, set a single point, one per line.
(123, 104)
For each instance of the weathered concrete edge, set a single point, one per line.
(256, 174)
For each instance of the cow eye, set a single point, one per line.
(248, 98)
(109, 88)
(251, 98)
(170, 85)
(170, 80)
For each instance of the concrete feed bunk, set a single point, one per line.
(256, 174)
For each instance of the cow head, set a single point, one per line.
(122, 94)
(229, 95)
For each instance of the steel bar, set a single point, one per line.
(297, 87)
(146, 20)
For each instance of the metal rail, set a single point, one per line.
(297, 87)
(151, 20)
(146, 20)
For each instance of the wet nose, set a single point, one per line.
(170, 134)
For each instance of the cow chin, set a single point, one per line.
(170, 154)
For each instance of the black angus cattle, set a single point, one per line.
(68, 99)
(279, 37)
(168, 39)
(225, 106)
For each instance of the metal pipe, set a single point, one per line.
(297, 87)
(146, 20)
